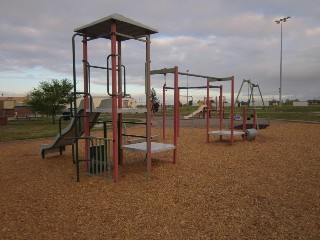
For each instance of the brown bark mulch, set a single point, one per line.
(268, 188)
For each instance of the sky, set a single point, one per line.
(207, 37)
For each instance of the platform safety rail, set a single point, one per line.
(100, 163)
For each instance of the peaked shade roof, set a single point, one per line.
(125, 26)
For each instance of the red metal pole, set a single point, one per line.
(178, 117)
(223, 100)
(254, 119)
(114, 101)
(164, 112)
(232, 109)
(216, 103)
(120, 138)
(148, 106)
(220, 111)
(176, 114)
(86, 100)
(207, 120)
(244, 122)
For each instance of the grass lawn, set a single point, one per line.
(310, 113)
(30, 129)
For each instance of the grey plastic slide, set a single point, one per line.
(67, 134)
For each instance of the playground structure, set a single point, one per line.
(231, 132)
(65, 136)
(117, 28)
(106, 154)
(212, 108)
(221, 132)
(103, 155)
(200, 109)
(251, 100)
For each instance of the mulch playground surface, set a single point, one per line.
(268, 188)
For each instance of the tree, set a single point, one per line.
(50, 97)
(288, 102)
(155, 101)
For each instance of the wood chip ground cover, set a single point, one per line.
(268, 188)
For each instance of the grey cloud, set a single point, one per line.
(217, 37)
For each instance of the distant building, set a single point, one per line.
(256, 103)
(273, 103)
(16, 107)
(300, 104)
(313, 102)
(127, 101)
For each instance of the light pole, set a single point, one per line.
(280, 21)
(188, 88)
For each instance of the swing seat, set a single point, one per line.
(251, 116)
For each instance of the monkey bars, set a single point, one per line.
(209, 79)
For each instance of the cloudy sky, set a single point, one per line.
(208, 37)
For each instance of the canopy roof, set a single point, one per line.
(127, 26)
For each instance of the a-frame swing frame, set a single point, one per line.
(251, 87)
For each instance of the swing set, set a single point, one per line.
(251, 104)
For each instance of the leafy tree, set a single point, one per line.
(50, 97)
(155, 101)
(290, 102)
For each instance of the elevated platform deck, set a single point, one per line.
(226, 133)
(120, 110)
(155, 147)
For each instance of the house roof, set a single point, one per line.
(16, 99)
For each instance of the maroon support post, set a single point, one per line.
(207, 120)
(114, 101)
(254, 119)
(148, 106)
(244, 121)
(164, 111)
(86, 100)
(176, 113)
(220, 111)
(178, 106)
(232, 110)
(120, 138)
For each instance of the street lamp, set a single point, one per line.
(280, 21)
(188, 88)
